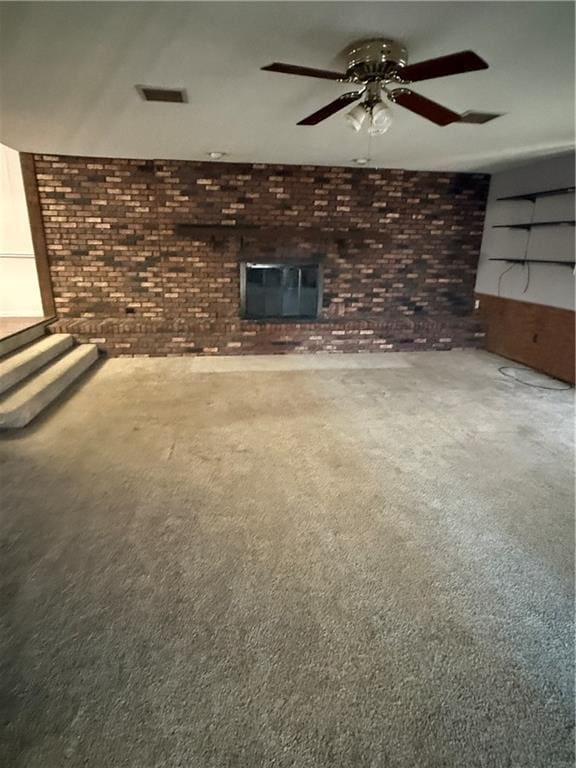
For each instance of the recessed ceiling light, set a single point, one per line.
(361, 160)
(216, 155)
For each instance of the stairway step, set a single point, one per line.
(21, 338)
(18, 408)
(22, 364)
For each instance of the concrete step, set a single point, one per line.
(21, 338)
(22, 364)
(20, 406)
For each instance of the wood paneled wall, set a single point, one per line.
(539, 336)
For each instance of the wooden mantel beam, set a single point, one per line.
(310, 234)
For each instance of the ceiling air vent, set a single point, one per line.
(173, 95)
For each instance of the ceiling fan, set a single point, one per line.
(378, 64)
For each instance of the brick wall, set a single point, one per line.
(126, 276)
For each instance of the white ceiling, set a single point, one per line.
(69, 70)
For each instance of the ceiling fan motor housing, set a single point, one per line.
(377, 59)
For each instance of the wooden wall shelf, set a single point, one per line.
(536, 261)
(532, 196)
(534, 224)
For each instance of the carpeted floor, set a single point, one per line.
(345, 564)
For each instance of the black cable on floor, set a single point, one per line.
(504, 368)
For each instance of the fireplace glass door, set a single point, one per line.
(280, 290)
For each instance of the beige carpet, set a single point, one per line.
(341, 565)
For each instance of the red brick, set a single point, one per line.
(407, 285)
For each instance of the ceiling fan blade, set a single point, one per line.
(330, 109)
(453, 64)
(291, 69)
(432, 111)
(479, 118)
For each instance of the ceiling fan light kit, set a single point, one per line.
(372, 106)
(356, 117)
(379, 64)
(381, 119)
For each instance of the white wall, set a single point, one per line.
(546, 284)
(19, 291)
